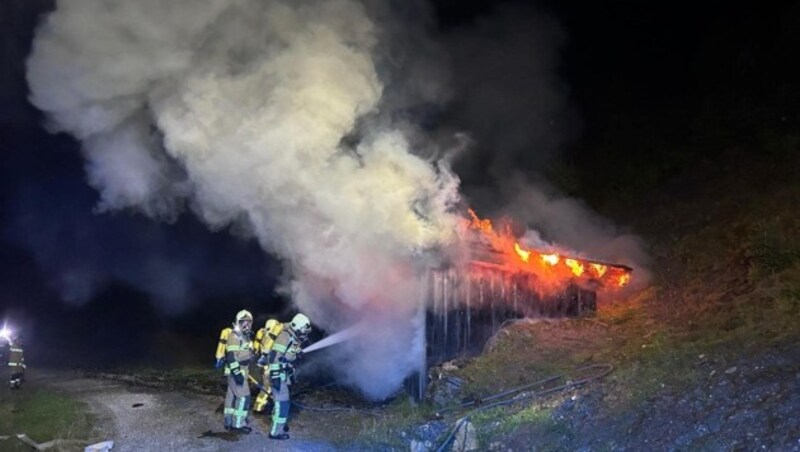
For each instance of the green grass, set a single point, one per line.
(203, 380)
(43, 415)
(400, 415)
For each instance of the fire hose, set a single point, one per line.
(334, 408)
(604, 369)
(302, 406)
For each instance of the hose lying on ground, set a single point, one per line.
(334, 408)
(46, 445)
(605, 369)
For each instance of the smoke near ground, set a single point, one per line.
(237, 111)
(303, 124)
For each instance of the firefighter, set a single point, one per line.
(265, 337)
(279, 359)
(16, 359)
(238, 353)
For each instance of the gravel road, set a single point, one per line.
(138, 419)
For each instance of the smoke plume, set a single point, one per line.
(309, 126)
(240, 111)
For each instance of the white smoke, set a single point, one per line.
(237, 110)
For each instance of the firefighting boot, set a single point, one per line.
(279, 436)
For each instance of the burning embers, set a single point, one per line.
(554, 270)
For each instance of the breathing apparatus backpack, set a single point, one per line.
(271, 331)
(223, 341)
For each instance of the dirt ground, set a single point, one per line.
(138, 418)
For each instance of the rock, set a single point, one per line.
(497, 446)
(466, 439)
(445, 391)
(104, 446)
(429, 431)
(421, 446)
(449, 366)
(730, 370)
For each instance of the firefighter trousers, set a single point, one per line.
(280, 397)
(237, 402)
(17, 376)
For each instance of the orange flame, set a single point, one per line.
(553, 269)
(525, 255)
(599, 269)
(484, 225)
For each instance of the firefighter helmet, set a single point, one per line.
(301, 325)
(244, 320)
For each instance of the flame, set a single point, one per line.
(525, 255)
(599, 269)
(575, 266)
(551, 259)
(484, 225)
(553, 269)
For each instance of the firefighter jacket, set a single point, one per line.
(238, 352)
(282, 354)
(16, 357)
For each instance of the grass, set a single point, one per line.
(721, 217)
(399, 416)
(43, 415)
(536, 418)
(203, 380)
(726, 286)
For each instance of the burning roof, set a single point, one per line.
(500, 250)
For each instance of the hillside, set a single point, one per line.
(705, 357)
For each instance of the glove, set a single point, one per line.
(263, 361)
(219, 363)
(300, 354)
(238, 378)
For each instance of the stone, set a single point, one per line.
(449, 366)
(421, 446)
(466, 438)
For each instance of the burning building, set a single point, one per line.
(497, 279)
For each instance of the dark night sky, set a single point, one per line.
(655, 62)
